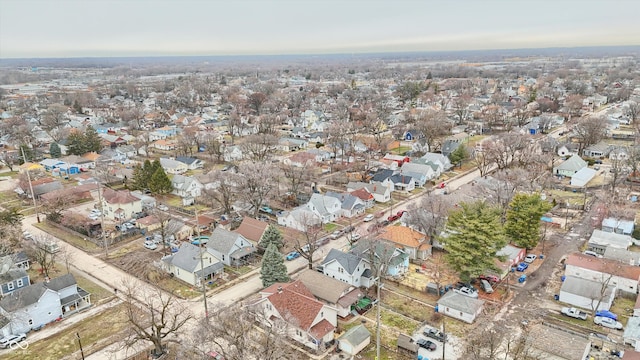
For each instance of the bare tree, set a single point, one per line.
(42, 254)
(296, 176)
(224, 190)
(482, 162)
(633, 110)
(254, 179)
(461, 108)
(430, 216)
(434, 126)
(309, 242)
(153, 316)
(53, 120)
(259, 147)
(574, 104)
(589, 131)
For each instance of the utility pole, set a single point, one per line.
(33, 196)
(378, 311)
(80, 343)
(444, 333)
(204, 287)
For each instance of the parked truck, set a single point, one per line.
(574, 313)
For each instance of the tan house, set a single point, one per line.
(252, 229)
(120, 205)
(415, 244)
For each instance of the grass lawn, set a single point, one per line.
(74, 240)
(92, 330)
(330, 227)
(238, 270)
(574, 198)
(388, 339)
(400, 150)
(407, 307)
(620, 307)
(97, 292)
(394, 320)
(179, 288)
(9, 196)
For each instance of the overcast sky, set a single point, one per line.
(78, 28)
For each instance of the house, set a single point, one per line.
(570, 166)
(252, 229)
(619, 153)
(186, 186)
(622, 255)
(299, 218)
(292, 144)
(582, 177)
(112, 141)
(190, 162)
(192, 263)
(513, 254)
(172, 166)
(403, 183)
(72, 297)
(587, 294)
(601, 240)
(354, 340)
(421, 173)
(13, 279)
(232, 153)
(442, 162)
(232, 249)
(348, 267)
(412, 134)
(381, 193)
(396, 260)
(120, 205)
(351, 206)
(308, 321)
(30, 307)
(18, 261)
(453, 142)
(327, 208)
(165, 145)
(50, 164)
(598, 150)
(365, 196)
(335, 293)
(382, 176)
(568, 149)
(459, 306)
(618, 226)
(625, 277)
(399, 159)
(415, 244)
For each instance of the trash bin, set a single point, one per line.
(541, 256)
(556, 297)
(563, 278)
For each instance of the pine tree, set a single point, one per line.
(273, 269)
(458, 155)
(75, 144)
(523, 219)
(474, 236)
(160, 182)
(92, 142)
(54, 150)
(272, 236)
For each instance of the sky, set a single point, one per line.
(99, 28)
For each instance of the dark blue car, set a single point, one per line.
(522, 266)
(607, 314)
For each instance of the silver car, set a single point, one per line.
(607, 322)
(12, 340)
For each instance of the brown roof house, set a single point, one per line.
(308, 321)
(252, 229)
(332, 292)
(120, 205)
(413, 243)
(624, 277)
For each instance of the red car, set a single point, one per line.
(441, 186)
(401, 212)
(490, 278)
(392, 218)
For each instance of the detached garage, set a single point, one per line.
(582, 177)
(459, 306)
(586, 294)
(354, 340)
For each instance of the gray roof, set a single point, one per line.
(460, 302)
(382, 175)
(187, 257)
(574, 163)
(401, 179)
(23, 297)
(12, 274)
(211, 269)
(407, 342)
(186, 159)
(320, 203)
(323, 287)
(619, 241)
(61, 282)
(47, 187)
(622, 255)
(222, 240)
(586, 288)
(625, 225)
(348, 201)
(632, 330)
(356, 335)
(348, 261)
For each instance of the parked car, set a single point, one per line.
(426, 344)
(322, 241)
(306, 248)
(12, 340)
(607, 314)
(522, 266)
(368, 218)
(150, 245)
(393, 217)
(293, 255)
(400, 213)
(320, 268)
(530, 258)
(336, 234)
(348, 229)
(163, 207)
(27, 235)
(467, 291)
(435, 334)
(355, 237)
(607, 322)
(486, 286)
(266, 209)
(492, 279)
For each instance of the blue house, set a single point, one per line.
(68, 169)
(50, 164)
(412, 134)
(12, 280)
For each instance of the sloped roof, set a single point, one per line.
(460, 302)
(347, 260)
(295, 303)
(610, 239)
(61, 282)
(12, 274)
(403, 235)
(574, 163)
(187, 257)
(322, 286)
(605, 266)
(119, 197)
(23, 297)
(252, 229)
(587, 288)
(223, 240)
(356, 335)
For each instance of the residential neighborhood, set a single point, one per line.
(327, 210)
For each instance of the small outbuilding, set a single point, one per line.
(460, 306)
(354, 340)
(587, 294)
(582, 177)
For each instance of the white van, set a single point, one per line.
(486, 286)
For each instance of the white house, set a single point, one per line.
(587, 294)
(601, 240)
(120, 205)
(172, 166)
(187, 266)
(335, 293)
(460, 306)
(299, 218)
(326, 208)
(625, 277)
(186, 186)
(348, 267)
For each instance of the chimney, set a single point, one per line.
(279, 289)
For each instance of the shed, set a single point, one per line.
(582, 177)
(407, 346)
(354, 340)
(460, 306)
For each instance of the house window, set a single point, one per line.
(340, 270)
(222, 257)
(10, 286)
(19, 282)
(298, 332)
(30, 321)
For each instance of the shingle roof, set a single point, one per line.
(323, 287)
(252, 229)
(403, 235)
(587, 288)
(187, 257)
(356, 335)
(119, 197)
(460, 302)
(12, 274)
(348, 261)
(605, 266)
(223, 240)
(23, 297)
(61, 282)
(295, 303)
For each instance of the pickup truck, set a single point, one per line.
(574, 313)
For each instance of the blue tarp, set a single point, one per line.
(546, 219)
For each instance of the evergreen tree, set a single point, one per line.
(458, 155)
(273, 269)
(272, 236)
(29, 154)
(75, 144)
(138, 180)
(474, 236)
(54, 150)
(523, 219)
(159, 183)
(92, 142)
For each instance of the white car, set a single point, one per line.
(355, 237)
(150, 245)
(368, 218)
(530, 258)
(607, 322)
(27, 235)
(472, 293)
(163, 207)
(12, 340)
